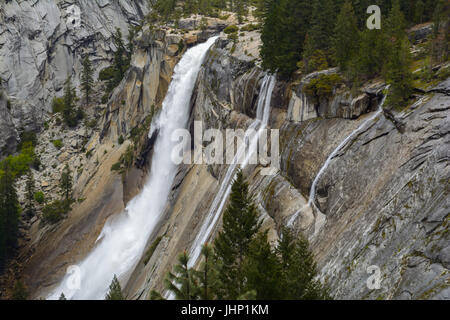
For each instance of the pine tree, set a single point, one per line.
(120, 64)
(181, 281)
(62, 296)
(262, 269)
(9, 214)
(206, 277)
(285, 23)
(398, 73)
(419, 11)
(65, 184)
(69, 110)
(298, 269)
(115, 291)
(19, 291)
(240, 225)
(346, 38)
(29, 193)
(321, 29)
(87, 79)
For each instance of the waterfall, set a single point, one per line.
(312, 192)
(261, 121)
(123, 238)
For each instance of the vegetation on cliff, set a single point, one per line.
(313, 35)
(244, 264)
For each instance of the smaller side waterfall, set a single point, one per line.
(312, 192)
(262, 119)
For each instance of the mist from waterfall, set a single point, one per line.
(123, 238)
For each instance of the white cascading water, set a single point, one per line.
(262, 119)
(312, 192)
(123, 239)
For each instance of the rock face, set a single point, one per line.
(343, 103)
(6, 126)
(383, 201)
(42, 43)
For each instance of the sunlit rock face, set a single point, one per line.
(42, 43)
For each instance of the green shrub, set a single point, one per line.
(55, 211)
(323, 86)
(27, 136)
(317, 61)
(250, 27)
(152, 249)
(180, 46)
(39, 197)
(19, 164)
(116, 166)
(121, 140)
(231, 29)
(91, 123)
(106, 74)
(126, 160)
(105, 98)
(57, 105)
(233, 37)
(58, 144)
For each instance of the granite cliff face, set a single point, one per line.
(42, 43)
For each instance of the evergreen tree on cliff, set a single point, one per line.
(29, 193)
(87, 79)
(65, 184)
(181, 282)
(69, 110)
(240, 225)
(298, 269)
(346, 37)
(9, 214)
(398, 73)
(115, 291)
(285, 23)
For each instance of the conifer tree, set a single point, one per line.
(65, 184)
(321, 29)
(346, 37)
(240, 225)
(9, 214)
(419, 11)
(207, 275)
(87, 79)
(19, 291)
(69, 110)
(120, 64)
(62, 296)
(285, 23)
(29, 193)
(262, 269)
(398, 73)
(181, 281)
(298, 269)
(115, 291)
